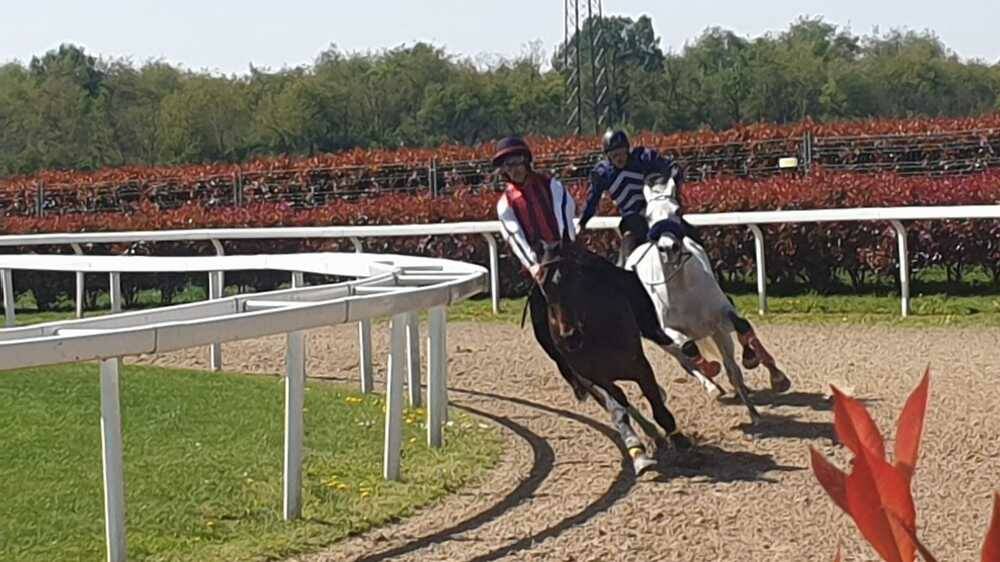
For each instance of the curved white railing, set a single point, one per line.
(894, 215)
(385, 285)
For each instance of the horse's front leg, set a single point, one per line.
(615, 402)
(686, 352)
(651, 391)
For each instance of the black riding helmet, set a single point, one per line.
(613, 139)
(509, 146)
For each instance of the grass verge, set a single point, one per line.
(926, 310)
(203, 465)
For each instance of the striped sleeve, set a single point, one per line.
(512, 232)
(564, 207)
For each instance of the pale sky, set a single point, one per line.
(227, 35)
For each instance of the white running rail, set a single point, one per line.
(384, 285)
(752, 220)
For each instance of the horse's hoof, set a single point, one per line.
(712, 369)
(680, 442)
(640, 460)
(642, 464)
(780, 383)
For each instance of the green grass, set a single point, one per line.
(935, 301)
(203, 465)
(809, 308)
(926, 310)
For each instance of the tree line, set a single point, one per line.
(68, 109)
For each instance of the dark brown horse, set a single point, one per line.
(596, 319)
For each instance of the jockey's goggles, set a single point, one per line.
(514, 161)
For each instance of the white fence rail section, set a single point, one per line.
(385, 285)
(488, 229)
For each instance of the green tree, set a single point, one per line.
(129, 110)
(206, 119)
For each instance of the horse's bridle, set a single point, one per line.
(546, 272)
(685, 256)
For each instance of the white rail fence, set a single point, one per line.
(385, 285)
(488, 229)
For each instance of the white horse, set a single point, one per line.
(678, 276)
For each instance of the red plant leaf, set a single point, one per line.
(874, 487)
(868, 498)
(991, 546)
(894, 493)
(910, 426)
(833, 480)
(926, 554)
(855, 427)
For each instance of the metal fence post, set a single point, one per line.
(364, 341)
(432, 177)
(904, 267)
(115, 291)
(216, 288)
(413, 357)
(437, 373)
(807, 151)
(40, 199)
(394, 398)
(80, 287)
(494, 271)
(295, 380)
(7, 281)
(758, 246)
(112, 457)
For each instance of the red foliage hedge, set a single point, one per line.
(695, 145)
(814, 253)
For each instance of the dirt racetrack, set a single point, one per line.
(563, 493)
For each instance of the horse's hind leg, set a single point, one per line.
(711, 387)
(686, 352)
(647, 383)
(725, 345)
(750, 359)
(749, 340)
(615, 402)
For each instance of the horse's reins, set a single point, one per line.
(686, 256)
(538, 286)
